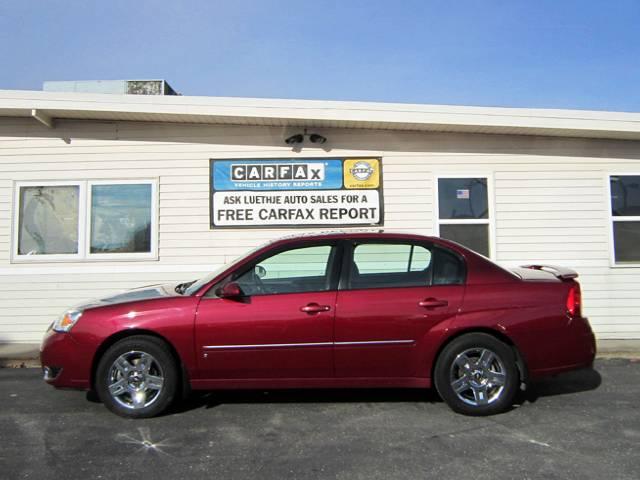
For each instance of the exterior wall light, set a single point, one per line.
(298, 138)
(295, 139)
(315, 138)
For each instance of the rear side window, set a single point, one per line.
(379, 265)
(388, 265)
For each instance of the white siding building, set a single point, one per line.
(100, 193)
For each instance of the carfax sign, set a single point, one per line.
(296, 192)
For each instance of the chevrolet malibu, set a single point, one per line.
(339, 310)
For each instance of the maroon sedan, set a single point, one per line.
(329, 310)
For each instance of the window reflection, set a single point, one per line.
(460, 198)
(626, 238)
(121, 218)
(625, 195)
(48, 221)
(475, 237)
(391, 258)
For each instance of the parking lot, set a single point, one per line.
(580, 425)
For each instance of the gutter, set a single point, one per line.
(274, 112)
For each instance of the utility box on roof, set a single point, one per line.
(118, 87)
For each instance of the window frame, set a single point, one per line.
(489, 221)
(84, 223)
(612, 218)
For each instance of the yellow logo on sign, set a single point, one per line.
(361, 173)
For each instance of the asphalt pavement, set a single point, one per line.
(582, 425)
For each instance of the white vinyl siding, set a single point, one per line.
(550, 204)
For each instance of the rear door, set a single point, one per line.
(394, 293)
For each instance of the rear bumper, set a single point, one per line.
(64, 363)
(576, 349)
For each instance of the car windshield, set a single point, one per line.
(198, 284)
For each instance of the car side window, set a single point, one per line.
(448, 268)
(380, 265)
(298, 270)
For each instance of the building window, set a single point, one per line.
(85, 220)
(463, 212)
(121, 218)
(48, 220)
(625, 215)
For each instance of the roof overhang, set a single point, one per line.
(47, 107)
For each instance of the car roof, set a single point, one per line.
(348, 234)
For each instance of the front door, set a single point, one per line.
(395, 294)
(283, 325)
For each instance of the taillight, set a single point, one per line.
(574, 300)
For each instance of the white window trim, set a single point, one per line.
(490, 221)
(153, 253)
(612, 219)
(84, 223)
(65, 257)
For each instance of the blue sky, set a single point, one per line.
(536, 53)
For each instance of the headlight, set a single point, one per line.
(66, 321)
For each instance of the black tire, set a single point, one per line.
(485, 385)
(134, 354)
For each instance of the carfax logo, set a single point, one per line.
(277, 172)
(362, 171)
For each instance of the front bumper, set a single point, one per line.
(64, 362)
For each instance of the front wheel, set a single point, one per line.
(476, 374)
(137, 377)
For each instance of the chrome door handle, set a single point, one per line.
(432, 303)
(314, 308)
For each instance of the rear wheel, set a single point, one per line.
(137, 377)
(476, 374)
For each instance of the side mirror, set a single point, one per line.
(230, 290)
(260, 271)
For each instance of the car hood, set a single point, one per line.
(150, 292)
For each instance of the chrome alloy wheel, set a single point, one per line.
(478, 376)
(135, 380)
